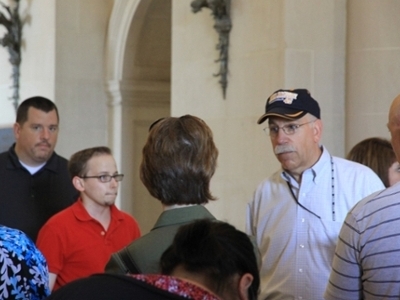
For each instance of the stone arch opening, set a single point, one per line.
(138, 81)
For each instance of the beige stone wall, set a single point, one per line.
(80, 37)
(273, 44)
(37, 71)
(254, 69)
(373, 69)
(63, 59)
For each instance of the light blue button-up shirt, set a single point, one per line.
(296, 246)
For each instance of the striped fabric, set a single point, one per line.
(366, 264)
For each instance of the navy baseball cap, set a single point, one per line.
(290, 104)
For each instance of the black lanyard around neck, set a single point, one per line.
(333, 195)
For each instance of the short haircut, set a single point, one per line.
(377, 154)
(77, 165)
(216, 250)
(37, 102)
(179, 159)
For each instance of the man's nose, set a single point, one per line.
(45, 134)
(281, 136)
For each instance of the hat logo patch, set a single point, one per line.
(285, 97)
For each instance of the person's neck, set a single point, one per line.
(297, 174)
(100, 213)
(25, 159)
(194, 278)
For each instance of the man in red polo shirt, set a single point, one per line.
(79, 240)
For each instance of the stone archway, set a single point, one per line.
(138, 80)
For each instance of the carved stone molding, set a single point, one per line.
(138, 93)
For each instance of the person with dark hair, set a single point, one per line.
(207, 260)
(35, 182)
(217, 255)
(377, 154)
(297, 212)
(23, 269)
(79, 240)
(179, 159)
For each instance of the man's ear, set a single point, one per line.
(317, 130)
(78, 183)
(16, 129)
(244, 284)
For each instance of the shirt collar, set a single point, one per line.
(182, 215)
(51, 164)
(316, 169)
(82, 215)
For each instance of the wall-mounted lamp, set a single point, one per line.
(220, 10)
(12, 41)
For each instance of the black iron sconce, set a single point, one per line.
(220, 10)
(12, 41)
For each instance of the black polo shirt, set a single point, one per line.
(28, 201)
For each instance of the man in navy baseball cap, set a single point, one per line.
(297, 212)
(290, 104)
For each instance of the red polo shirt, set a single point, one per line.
(75, 245)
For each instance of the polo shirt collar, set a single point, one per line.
(82, 215)
(14, 163)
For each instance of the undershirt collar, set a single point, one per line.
(31, 169)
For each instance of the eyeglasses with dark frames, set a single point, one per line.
(106, 178)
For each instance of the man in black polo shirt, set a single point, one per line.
(35, 183)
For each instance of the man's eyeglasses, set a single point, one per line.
(289, 129)
(106, 178)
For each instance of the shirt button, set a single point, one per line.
(102, 233)
(302, 220)
(301, 270)
(301, 246)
